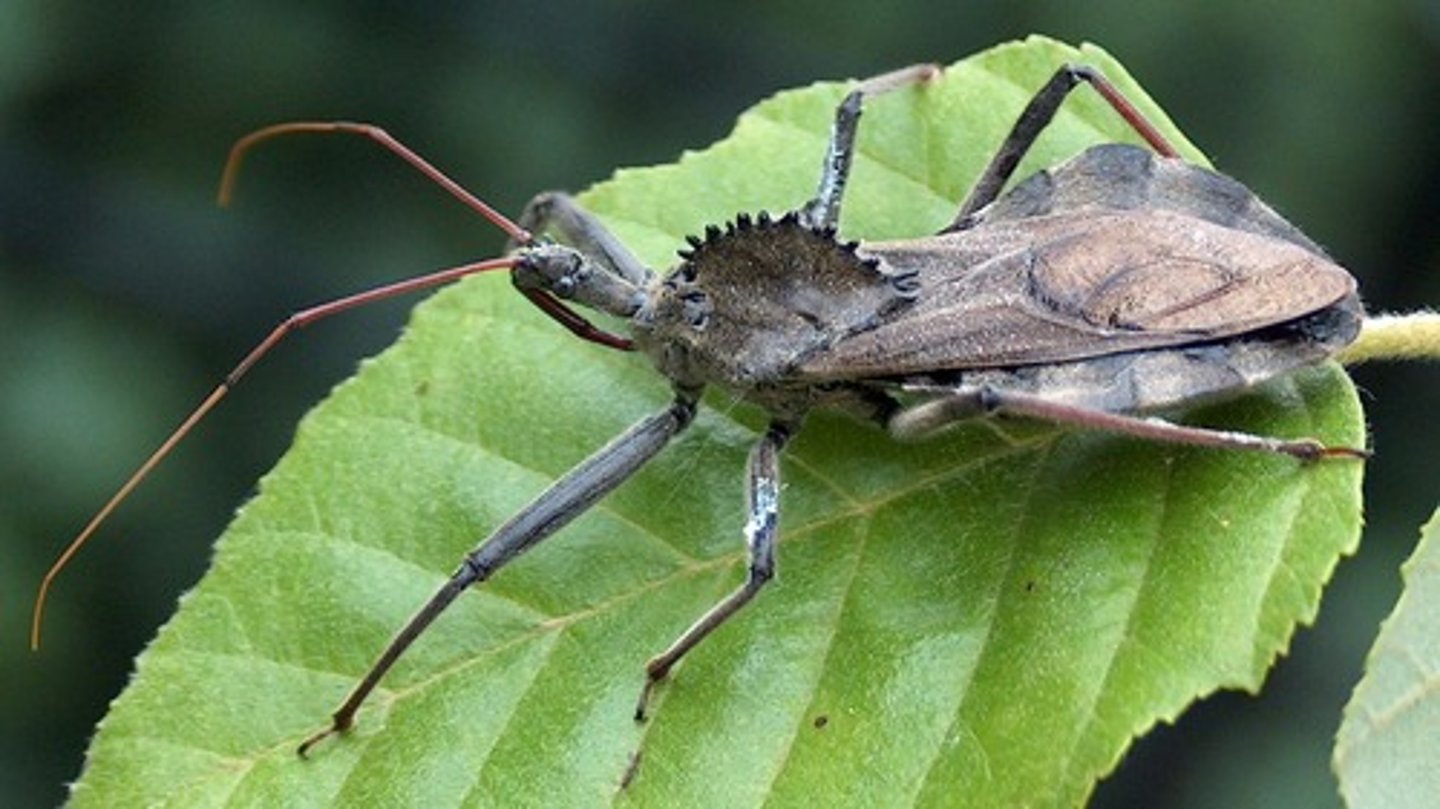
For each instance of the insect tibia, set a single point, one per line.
(569, 275)
(824, 210)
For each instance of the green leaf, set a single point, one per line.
(989, 617)
(1387, 748)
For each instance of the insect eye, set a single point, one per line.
(906, 283)
(696, 310)
(574, 275)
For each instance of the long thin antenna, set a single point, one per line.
(295, 321)
(243, 146)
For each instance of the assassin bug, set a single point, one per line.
(1116, 284)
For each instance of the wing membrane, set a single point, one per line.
(1080, 285)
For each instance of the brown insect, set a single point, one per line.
(1118, 284)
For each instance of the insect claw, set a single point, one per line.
(1358, 453)
(341, 722)
(1309, 450)
(306, 746)
(642, 704)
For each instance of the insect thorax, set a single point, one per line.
(751, 301)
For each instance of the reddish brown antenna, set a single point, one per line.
(242, 147)
(301, 318)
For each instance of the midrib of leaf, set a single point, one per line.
(1014, 540)
(1127, 638)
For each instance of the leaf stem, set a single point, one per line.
(1412, 336)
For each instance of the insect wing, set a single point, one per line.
(1080, 285)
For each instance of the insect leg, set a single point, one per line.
(760, 527)
(577, 227)
(824, 210)
(927, 417)
(1033, 120)
(566, 499)
(582, 230)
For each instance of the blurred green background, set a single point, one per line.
(125, 294)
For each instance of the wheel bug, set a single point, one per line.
(1117, 283)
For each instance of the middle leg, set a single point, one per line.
(760, 530)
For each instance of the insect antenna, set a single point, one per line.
(295, 321)
(243, 146)
(305, 317)
(576, 323)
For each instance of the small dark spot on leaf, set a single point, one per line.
(821, 721)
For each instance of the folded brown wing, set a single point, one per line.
(1075, 286)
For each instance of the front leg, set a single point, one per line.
(586, 234)
(760, 527)
(559, 212)
(566, 499)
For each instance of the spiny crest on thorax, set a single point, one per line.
(751, 300)
(785, 248)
